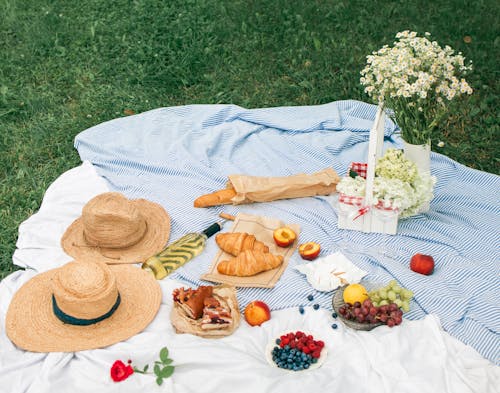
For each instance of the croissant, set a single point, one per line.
(249, 263)
(220, 197)
(235, 242)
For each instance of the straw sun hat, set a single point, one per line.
(82, 305)
(115, 229)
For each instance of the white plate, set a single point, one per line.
(269, 356)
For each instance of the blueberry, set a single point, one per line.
(310, 298)
(301, 310)
(306, 365)
(314, 360)
(334, 326)
(278, 341)
(334, 315)
(316, 306)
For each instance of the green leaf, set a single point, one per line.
(157, 370)
(167, 371)
(164, 354)
(159, 380)
(317, 43)
(167, 362)
(474, 111)
(305, 84)
(146, 368)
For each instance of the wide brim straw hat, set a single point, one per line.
(117, 230)
(82, 305)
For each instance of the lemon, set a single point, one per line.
(355, 293)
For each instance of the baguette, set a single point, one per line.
(220, 197)
(235, 242)
(249, 263)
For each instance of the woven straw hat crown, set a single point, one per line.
(84, 290)
(117, 230)
(110, 220)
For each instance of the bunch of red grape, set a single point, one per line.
(366, 312)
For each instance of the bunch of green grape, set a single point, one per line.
(391, 293)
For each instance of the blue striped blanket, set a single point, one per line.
(173, 155)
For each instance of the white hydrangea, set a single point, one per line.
(352, 186)
(394, 165)
(398, 184)
(394, 193)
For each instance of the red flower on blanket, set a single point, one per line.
(162, 368)
(119, 371)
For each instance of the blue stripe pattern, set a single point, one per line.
(173, 155)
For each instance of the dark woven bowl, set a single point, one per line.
(338, 301)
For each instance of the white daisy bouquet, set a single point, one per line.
(417, 79)
(398, 184)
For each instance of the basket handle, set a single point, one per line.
(375, 146)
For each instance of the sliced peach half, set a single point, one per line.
(309, 250)
(284, 236)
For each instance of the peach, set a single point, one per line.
(309, 250)
(284, 236)
(257, 312)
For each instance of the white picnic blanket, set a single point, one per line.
(417, 356)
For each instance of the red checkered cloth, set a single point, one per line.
(358, 201)
(380, 206)
(359, 167)
(350, 200)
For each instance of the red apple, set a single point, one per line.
(284, 236)
(309, 250)
(423, 264)
(257, 312)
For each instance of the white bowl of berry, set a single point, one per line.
(378, 305)
(296, 351)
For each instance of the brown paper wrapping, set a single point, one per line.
(264, 189)
(262, 228)
(184, 324)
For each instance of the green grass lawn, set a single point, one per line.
(68, 65)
